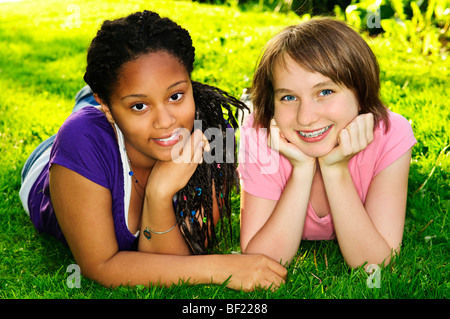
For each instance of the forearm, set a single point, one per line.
(158, 215)
(280, 236)
(140, 268)
(358, 237)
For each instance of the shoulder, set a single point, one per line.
(86, 143)
(87, 119)
(87, 127)
(398, 125)
(390, 145)
(259, 164)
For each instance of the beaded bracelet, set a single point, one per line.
(148, 231)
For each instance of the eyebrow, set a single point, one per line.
(318, 85)
(143, 95)
(325, 83)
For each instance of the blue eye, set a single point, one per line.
(325, 92)
(288, 98)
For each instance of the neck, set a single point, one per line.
(140, 165)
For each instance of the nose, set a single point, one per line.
(307, 113)
(164, 119)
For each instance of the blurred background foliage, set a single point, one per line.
(419, 26)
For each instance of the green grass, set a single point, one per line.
(42, 58)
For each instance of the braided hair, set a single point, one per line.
(126, 39)
(196, 197)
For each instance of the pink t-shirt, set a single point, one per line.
(264, 172)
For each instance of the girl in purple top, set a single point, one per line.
(125, 183)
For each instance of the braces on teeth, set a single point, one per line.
(315, 134)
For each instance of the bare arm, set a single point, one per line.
(83, 209)
(165, 180)
(371, 232)
(367, 232)
(274, 228)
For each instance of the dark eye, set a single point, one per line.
(139, 106)
(176, 96)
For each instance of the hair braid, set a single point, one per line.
(197, 197)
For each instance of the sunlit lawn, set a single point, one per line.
(42, 59)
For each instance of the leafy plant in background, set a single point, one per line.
(420, 26)
(259, 5)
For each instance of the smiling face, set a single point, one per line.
(310, 109)
(151, 103)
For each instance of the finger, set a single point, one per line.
(278, 268)
(198, 153)
(274, 282)
(362, 133)
(205, 144)
(353, 134)
(197, 146)
(345, 142)
(179, 149)
(187, 152)
(273, 140)
(370, 122)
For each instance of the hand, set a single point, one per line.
(167, 178)
(249, 272)
(279, 143)
(351, 140)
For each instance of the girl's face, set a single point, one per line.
(310, 109)
(152, 102)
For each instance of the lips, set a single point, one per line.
(168, 141)
(316, 135)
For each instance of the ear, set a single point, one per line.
(105, 108)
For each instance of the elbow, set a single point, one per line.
(371, 262)
(275, 253)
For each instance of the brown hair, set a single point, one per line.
(329, 47)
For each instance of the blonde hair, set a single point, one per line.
(329, 47)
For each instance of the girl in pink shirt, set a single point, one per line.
(335, 163)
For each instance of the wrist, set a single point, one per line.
(336, 170)
(157, 212)
(154, 193)
(306, 168)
